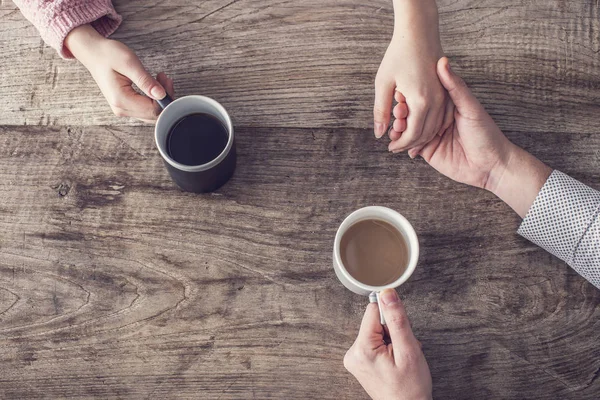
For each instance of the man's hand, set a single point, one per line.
(394, 371)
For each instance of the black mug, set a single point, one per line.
(195, 178)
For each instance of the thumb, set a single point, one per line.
(136, 72)
(460, 94)
(397, 321)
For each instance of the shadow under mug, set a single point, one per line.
(195, 178)
(397, 221)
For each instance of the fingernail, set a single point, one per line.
(448, 66)
(379, 130)
(158, 93)
(411, 155)
(389, 296)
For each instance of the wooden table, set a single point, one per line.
(115, 284)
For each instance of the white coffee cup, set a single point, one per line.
(396, 220)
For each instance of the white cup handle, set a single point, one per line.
(374, 298)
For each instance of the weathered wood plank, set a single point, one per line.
(534, 64)
(113, 283)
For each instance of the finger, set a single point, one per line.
(412, 153)
(399, 125)
(119, 112)
(448, 116)
(384, 93)
(135, 71)
(432, 125)
(461, 96)
(371, 331)
(400, 111)
(397, 322)
(399, 97)
(395, 135)
(148, 121)
(430, 148)
(432, 128)
(414, 127)
(132, 104)
(167, 83)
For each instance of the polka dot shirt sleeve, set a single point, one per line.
(565, 220)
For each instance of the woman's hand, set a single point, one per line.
(115, 68)
(473, 150)
(409, 67)
(394, 371)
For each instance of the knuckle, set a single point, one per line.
(362, 355)
(400, 112)
(119, 112)
(356, 355)
(399, 321)
(420, 102)
(144, 82)
(115, 102)
(348, 361)
(439, 98)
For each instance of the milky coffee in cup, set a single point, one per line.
(374, 252)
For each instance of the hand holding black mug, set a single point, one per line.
(194, 135)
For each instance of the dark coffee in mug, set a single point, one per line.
(197, 139)
(374, 252)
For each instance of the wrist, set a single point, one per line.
(412, 15)
(83, 41)
(518, 179)
(505, 165)
(416, 27)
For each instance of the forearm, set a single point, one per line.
(54, 19)
(415, 14)
(519, 180)
(565, 220)
(560, 214)
(81, 42)
(426, 9)
(417, 20)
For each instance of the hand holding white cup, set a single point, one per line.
(380, 255)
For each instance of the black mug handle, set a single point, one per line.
(165, 101)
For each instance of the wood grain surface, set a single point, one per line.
(115, 284)
(312, 63)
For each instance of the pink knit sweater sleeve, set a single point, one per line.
(54, 19)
